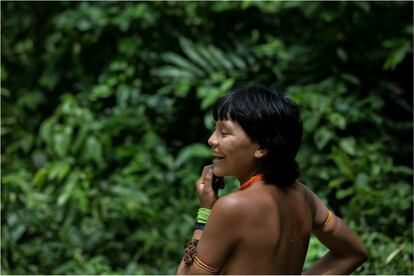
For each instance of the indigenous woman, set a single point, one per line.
(265, 226)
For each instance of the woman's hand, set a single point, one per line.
(204, 187)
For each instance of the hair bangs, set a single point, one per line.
(224, 110)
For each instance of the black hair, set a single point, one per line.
(271, 121)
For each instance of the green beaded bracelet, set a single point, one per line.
(203, 214)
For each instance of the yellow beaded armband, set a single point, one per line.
(205, 266)
(326, 223)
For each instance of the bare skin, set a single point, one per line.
(264, 229)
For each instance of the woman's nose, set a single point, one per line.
(212, 141)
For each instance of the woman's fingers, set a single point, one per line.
(208, 180)
(205, 170)
(201, 181)
(206, 195)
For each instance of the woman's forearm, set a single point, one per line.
(346, 251)
(181, 268)
(331, 264)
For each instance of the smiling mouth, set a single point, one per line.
(219, 157)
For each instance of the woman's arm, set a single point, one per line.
(221, 234)
(346, 251)
(221, 230)
(182, 267)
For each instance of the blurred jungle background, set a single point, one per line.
(106, 107)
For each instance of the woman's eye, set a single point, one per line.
(223, 133)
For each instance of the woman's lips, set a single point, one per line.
(218, 159)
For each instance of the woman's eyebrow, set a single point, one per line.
(223, 125)
(227, 125)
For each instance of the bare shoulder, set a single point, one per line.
(231, 204)
(231, 208)
(319, 210)
(302, 187)
(307, 193)
(226, 218)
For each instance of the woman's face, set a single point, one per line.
(235, 153)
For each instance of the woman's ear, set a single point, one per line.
(260, 152)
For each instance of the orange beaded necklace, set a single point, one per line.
(251, 181)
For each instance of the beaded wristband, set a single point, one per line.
(190, 256)
(199, 226)
(202, 215)
(190, 251)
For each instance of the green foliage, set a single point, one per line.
(106, 113)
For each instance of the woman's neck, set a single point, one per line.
(246, 177)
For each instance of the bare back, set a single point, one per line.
(266, 230)
(275, 229)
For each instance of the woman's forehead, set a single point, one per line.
(227, 123)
